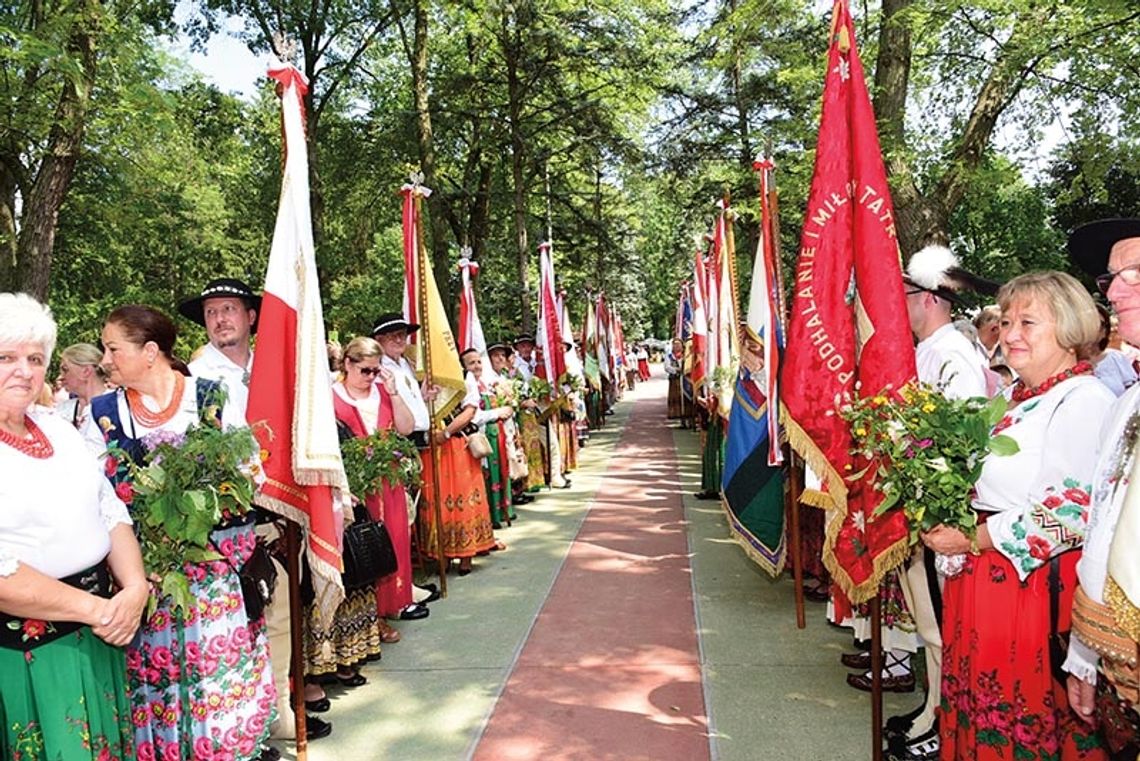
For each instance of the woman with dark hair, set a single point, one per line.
(1111, 365)
(200, 682)
(64, 537)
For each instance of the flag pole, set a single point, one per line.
(876, 678)
(794, 464)
(429, 378)
(296, 638)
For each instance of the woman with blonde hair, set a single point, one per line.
(999, 693)
(82, 376)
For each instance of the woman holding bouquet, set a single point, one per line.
(199, 680)
(366, 400)
(63, 684)
(999, 696)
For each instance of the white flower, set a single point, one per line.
(939, 464)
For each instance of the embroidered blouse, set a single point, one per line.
(1040, 496)
(1110, 480)
(58, 511)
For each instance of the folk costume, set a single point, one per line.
(200, 682)
(674, 363)
(466, 516)
(63, 691)
(1105, 647)
(950, 361)
(496, 466)
(1000, 699)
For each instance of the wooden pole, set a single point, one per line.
(296, 638)
(876, 678)
(796, 549)
(429, 378)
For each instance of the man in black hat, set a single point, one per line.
(525, 361)
(1103, 684)
(228, 308)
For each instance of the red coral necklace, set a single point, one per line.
(35, 444)
(143, 414)
(1021, 393)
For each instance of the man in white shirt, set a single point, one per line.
(945, 358)
(228, 309)
(525, 360)
(1104, 682)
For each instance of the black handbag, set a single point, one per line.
(258, 578)
(1058, 640)
(368, 551)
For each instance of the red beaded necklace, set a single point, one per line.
(150, 419)
(1021, 393)
(35, 445)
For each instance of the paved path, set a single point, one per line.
(622, 623)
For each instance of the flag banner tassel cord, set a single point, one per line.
(795, 489)
(296, 637)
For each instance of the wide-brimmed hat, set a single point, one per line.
(221, 288)
(1090, 244)
(936, 269)
(523, 338)
(390, 322)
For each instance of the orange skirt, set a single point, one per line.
(466, 518)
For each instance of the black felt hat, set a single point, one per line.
(390, 322)
(502, 346)
(1090, 244)
(524, 338)
(221, 288)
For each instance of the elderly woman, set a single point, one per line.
(366, 400)
(82, 376)
(63, 688)
(999, 694)
(200, 683)
(490, 419)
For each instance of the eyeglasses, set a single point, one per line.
(369, 372)
(913, 291)
(1130, 275)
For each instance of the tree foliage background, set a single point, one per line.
(612, 127)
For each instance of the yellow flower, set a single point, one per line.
(880, 400)
(860, 431)
(263, 454)
(226, 488)
(929, 407)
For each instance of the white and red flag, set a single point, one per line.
(289, 383)
(470, 328)
(700, 326)
(549, 337)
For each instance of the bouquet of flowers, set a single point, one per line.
(539, 390)
(505, 393)
(926, 452)
(383, 456)
(186, 484)
(573, 384)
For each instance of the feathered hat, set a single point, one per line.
(936, 269)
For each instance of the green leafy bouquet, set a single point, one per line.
(574, 383)
(927, 452)
(539, 389)
(186, 484)
(382, 456)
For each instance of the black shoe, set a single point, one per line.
(925, 747)
(318, 706)
(860, 661)
(270, 754)
(414, 612)
(434, 593)
(891, 683)
(522, 499)
(496, 525)
(357, 679)
(316, 727)
(707, 495)
(900, 725)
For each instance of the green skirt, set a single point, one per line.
(65, 700)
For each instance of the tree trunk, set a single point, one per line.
(518, 166)
(36, 241)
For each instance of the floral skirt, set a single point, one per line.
(353, 636)
(466, 528)
(203, 685)
(65, 700)
(999, 698)
(497, 476)
(394, 592)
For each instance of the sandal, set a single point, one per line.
(388, 635)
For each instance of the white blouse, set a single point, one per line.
(59, 511)
(1040, 496)
(1110, 484)
(369, 408)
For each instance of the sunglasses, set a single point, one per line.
(368, 372)
(1130, 275)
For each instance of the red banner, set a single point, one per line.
(849, 319)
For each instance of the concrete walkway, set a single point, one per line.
(622, 623)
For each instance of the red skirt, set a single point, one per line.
(466, 516)
(999, 698)
(394, 593)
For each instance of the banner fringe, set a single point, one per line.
(772, 569)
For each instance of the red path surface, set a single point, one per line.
(611, 668)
